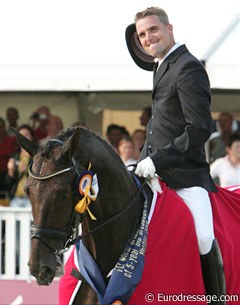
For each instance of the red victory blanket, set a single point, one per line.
(172, 270)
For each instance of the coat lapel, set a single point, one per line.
(165, 66)
(159, 73)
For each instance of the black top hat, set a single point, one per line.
(141, 58)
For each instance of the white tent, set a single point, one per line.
(77, 45)
(222, 58)
(73, 52)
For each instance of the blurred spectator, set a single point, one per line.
(114, 134)
(217, 142)
(125, 150)
(40, 120)
(18, 171)
(12, 117)
(138, 137)
(78, 124)
(53, 127)
(124, 132)
(145, 116)
(8, 146)
(227, 169)
(235, 126)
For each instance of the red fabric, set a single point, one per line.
(40, 133)
(8, 147)
(172, 262)
(67, 282)
(226, 213)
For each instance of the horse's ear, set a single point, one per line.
(71, 145)
(28, 145)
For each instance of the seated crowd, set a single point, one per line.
(222, 149)
(14, 160)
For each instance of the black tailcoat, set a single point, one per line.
(181, 122)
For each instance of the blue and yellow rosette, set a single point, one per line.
(87, 187)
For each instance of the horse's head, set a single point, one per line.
(59, 175)
(50, 190)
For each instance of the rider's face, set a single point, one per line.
(156, 38)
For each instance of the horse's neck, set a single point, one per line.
(115, 193)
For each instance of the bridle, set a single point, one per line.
(68, 236)
(41, 232)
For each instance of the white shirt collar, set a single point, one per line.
(159, 61)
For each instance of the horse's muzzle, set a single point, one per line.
(42, 267)
(45, 276)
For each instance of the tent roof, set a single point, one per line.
(80, 45)
(222, 58)
(84, 77)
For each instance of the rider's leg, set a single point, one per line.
(197, 200)
(213, 273)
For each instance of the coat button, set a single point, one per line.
(150, 146)
(151, 132)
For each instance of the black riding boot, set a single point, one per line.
(213, 273)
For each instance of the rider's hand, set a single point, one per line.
(155, 185)
(145, 168)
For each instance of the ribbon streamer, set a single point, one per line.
(88, 187)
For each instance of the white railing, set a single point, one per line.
(15, 243)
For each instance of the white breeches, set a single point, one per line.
(197, 200)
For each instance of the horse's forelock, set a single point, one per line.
(48, 149)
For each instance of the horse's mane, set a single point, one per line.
(85, 134)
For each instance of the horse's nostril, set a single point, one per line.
(45, 276)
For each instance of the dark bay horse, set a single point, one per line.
(172, 263)
(52, 188)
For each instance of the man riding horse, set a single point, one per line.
(178, 129)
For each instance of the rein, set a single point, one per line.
(118, 214)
